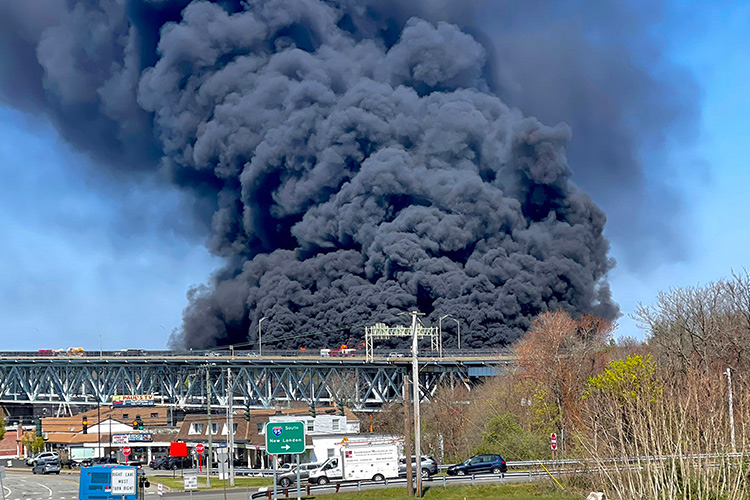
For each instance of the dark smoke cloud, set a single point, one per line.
(356, 158)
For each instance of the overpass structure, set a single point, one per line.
(185, 381)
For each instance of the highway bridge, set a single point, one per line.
(183, 380)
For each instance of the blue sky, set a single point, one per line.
(73, 271)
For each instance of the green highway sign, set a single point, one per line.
(283, 438)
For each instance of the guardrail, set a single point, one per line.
(444, 481)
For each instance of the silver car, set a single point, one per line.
(43, 467)
(288, 478)
(42, 456)
(429, 466)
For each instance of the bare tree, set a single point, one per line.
(706, 326)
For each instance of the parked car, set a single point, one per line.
(46, 467)
(158, 462)
(174, 463)
(44, 455)
(429, 466)
(70, 463)
(479, 464)
(290, 477)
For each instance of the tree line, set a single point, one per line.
(650, 417)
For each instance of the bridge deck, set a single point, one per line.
(180, 380)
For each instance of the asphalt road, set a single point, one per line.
(28, 486)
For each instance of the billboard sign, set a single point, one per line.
(133, 400)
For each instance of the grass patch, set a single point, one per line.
(176, 483)
(480, 492)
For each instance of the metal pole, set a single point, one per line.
(298, 493)
(458, 324)
(208, 411)
(407, 439)
(2, 486)
(415, 383)
(440, 327)
(230, 426)
(731, 409)
(99, 427)
(274, 477)
(260, 336)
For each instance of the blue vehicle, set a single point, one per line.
(111, 482)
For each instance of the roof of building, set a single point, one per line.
(152, 416)
(247, 431)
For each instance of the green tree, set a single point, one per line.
(627, 380)
(504, 434)
(32, 443)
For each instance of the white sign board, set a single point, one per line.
(191, 482)
(223, 470)
(123, 481)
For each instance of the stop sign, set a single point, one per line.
(199, 448)
(126, 451)
(553, 441)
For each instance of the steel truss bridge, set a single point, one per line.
(182, 381)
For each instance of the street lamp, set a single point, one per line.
(260, 336)
(458, 324)
(440, 329)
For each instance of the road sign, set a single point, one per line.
(160, 489)
(123, 481)
(126, 451)
(285, 438)
(553, 441)
(199, 448)
(191, 482)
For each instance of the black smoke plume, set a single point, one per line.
(353, 159)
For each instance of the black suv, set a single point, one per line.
(479, 464)
(429, 466)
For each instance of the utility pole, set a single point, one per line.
(209, 453)
(415, 383)
(260, 336)
(230, 427)
(407, 439)
(98, 427)
(731, 409)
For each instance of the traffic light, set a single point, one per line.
(135, 424)
(38, 427)
(311, 405)
(138, 423)
(247, 412)
(85, 423)
(340, 406)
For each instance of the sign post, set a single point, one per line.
(123, 481)
(190, 484)
(284, 438)
(2, 486)
(199, 449)
(553, 445)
